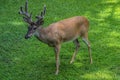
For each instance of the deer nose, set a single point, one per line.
(26, 37)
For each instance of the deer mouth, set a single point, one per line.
(26, 37)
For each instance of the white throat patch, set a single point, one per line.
(36, 33)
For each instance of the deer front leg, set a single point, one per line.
(57, 51)
(77, 45)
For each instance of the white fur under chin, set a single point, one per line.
(36, 34)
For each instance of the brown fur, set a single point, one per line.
(65, 30)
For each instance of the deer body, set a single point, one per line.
(63, 31)
(57, 33)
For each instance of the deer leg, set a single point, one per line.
(86, 41)
(76, 42)
(57, 51)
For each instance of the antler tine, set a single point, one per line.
(30, 14)
(44, 9)
(26, 6)
(27, 16)
(20, 12)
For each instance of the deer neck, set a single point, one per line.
(39, 34)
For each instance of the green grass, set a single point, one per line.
(22, 59)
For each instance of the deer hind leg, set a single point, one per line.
(76, 42)
(86, 41)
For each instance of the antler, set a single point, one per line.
(41, 16)
(26, 16)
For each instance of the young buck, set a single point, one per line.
(57, 33)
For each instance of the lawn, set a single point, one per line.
(22, 59)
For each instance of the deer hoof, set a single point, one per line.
(71, 62)
(56, 73)
(91, 61)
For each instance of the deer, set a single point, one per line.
(55, 34)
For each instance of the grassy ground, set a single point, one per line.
(22, 59)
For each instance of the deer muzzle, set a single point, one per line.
(29, 34)
(26, 36)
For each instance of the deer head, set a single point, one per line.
(32, 25)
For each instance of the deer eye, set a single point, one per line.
(34, 28)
